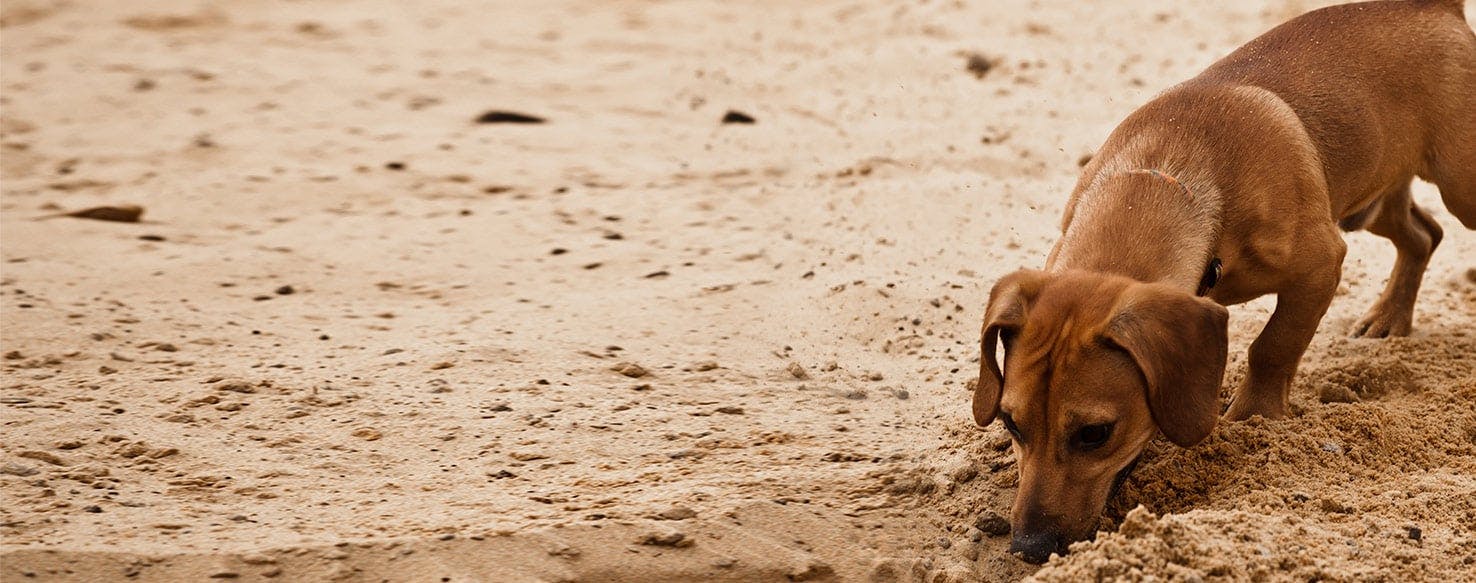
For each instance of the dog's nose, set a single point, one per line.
(1036, 548)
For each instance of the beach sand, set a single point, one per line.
(371, 328)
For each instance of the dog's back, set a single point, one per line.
(1384, 90)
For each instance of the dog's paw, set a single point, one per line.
(1383, 321)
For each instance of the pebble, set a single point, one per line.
(735, 116)
(367, 434)
(669, 538)
(992, 524)
(705, 366)
(1414, 532)
(677, 513)
(1330, 505)
(1331, 447)
(629, 369)
(43, 456)
(236, 386)
(127, 213)
(729, 410)
(797, 371)
(503, 116)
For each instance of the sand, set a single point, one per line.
(491, 292)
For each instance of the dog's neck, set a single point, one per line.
(1150, 224)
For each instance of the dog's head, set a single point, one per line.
(1092, 367)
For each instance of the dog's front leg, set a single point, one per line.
(1300, 304)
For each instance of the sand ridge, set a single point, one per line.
(361, 317)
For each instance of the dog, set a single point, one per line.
(1222, 189)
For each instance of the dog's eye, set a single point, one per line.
(1009, 423)
(1091, 437)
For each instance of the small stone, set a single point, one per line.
(730, 410)
(442, 365)
(286, 290)
(705, 366)
(1414, 532)
(670, 538)
(677, 513)
(1331, 447)
(797, 371)
(992, 524)
(235, 386)
(901, 394)
(117, 214)
(629, 369)
(875, 376)
(735, 116)
(367, 434)
(1330, 505)
(944, 543)
(224, 575)
(502, 116)
(93, 509)
(166, 347)
(44, 456)
(979, 65)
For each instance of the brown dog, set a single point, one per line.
(1240, 175)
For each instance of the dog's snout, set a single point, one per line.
(1036, 548)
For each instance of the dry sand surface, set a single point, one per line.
(360, 336)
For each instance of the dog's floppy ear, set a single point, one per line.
(1008, 302)
(1179, 342)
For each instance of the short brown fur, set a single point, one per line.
(1323, 120)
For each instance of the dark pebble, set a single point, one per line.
(499, 116)
(734, 116)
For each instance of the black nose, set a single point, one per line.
(1036, 548)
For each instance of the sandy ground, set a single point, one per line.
(360, 336)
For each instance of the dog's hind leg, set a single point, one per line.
(1451, 160)
(1415, 235)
